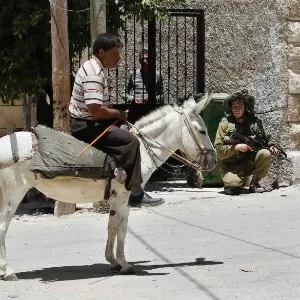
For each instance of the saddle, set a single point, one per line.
(57, 156)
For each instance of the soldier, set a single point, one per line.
(238, 160)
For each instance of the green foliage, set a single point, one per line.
(24, 52)
(146, 9)
(79, 27)
(25, 38)
(142, 9)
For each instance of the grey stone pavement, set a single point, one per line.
(200, 244)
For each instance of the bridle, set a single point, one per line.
(200, 147)
(193, 132)
(185, 118)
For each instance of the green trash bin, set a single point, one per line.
(212, 115)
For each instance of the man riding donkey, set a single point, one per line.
(239, 160)
(91, 113)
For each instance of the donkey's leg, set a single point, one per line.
(118, 194)
(13, 189)
(9, 206)
(112, 229)
(122, 221)
(112, 232)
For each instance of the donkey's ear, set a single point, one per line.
(198, 97)
(190, 104)
(205, 99)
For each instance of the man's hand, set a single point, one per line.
(101, 112)
(274, 151)
(138, 100)
(141, 99)
(123, 115)
(242, 148)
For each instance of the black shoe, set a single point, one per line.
(144, 200)
(149, 201)
(232, 191)
(135, 201)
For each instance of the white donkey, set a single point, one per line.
(175, 128)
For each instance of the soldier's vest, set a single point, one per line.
(252, 128)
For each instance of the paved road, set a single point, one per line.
(199, 245)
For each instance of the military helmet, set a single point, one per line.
(242, 97)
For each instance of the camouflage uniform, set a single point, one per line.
(236, 166)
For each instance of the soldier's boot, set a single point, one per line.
(232, 191)
(255, 186)
(262, 164)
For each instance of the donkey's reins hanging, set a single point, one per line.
(188, 122)
(193, 132)
(175, 155)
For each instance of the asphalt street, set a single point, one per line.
(200, 244)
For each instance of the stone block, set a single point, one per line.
(294, 82)
(295, 158)
(294, 137)
(294, 32)
(293, 111)
(294, 58)
(62, 208)
(294, 10)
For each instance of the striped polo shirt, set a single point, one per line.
(137, 86)
(90, 87)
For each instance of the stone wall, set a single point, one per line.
(293, 111)
(294, 78)
(252, 44)
(255, 44)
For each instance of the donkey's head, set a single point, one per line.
(195, 140)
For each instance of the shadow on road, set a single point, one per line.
(173, 186)
(66, 273)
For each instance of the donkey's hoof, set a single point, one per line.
(116, 268)
(10, 277)
(128, 270)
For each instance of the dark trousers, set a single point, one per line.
(122, 146)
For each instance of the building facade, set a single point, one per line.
(255, 44)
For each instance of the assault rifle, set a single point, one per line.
(236, 138)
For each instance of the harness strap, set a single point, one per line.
(193, 131)
(14, 147)
(175, 155)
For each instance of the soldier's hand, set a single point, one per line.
(242, 148)
(274, 151)
(123, 115)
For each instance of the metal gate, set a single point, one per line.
(176, 51)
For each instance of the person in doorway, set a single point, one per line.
(136, 90)
(239, 160)
(91, 113)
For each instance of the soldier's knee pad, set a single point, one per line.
(232, 180)
(264, 154)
